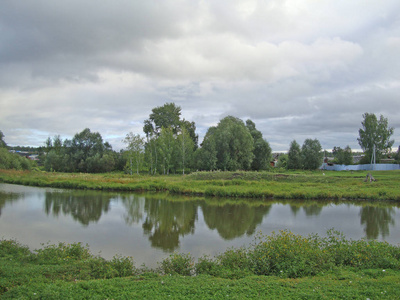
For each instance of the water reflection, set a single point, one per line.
(376, 221)
(313, 210)
(7, 198)
(166, 221)
(84, 206)
(160, 223)
(234, 220)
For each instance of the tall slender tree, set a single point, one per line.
(135, 147)
(294, 156)
(375, 134)
(311, 154)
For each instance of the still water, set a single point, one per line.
(151, 226)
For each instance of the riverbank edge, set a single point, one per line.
(265, 186)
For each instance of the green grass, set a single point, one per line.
(278, 266)
(329, 185)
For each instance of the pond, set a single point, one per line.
(151, 226)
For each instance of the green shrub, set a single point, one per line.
(206, 265)
(181, 264)
(288, 255)
(62, 253)
(11, 248)
(124, 266)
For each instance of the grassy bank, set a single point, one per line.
(261, 185)
(279, 266)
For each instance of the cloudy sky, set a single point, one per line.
(298, 68)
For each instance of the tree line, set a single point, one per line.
(170, 145)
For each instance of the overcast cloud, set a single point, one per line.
(298, 68)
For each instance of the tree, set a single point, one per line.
(2, 142)
(166, 117)
(135, 146)
(86, 152)
(282, 161)
(397, 155)
(311, 154)
(262, 150)
(343, 156)
(228, 146)
(84, 145)
(375, 133)
(185, 147)
(206, 156)
(294, 156)
(167, 149)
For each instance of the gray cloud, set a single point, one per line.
(298, 69)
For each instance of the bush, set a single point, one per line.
(124, 266)
(288, 255)
(11, 248)
(181, 264)
(62, 253)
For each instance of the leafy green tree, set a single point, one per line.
(166, 117)
(150, 147)
(262, 150)
(14, 161)
(376, 133)
(86, 152)
(135, 146)
(311, 154)
(294, 156)
(2, 142)
(191, 130)
(185, 148)
(167, 149)
(343, 156)
(282, 161)
(397, 155)
(234, 145)
(84, 145)
(206, 156)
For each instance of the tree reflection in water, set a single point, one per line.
(7, 198)
(234, 220)
(167, 220)
(312, 210)
(376, 221)
(83, 206)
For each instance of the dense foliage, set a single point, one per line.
(311, 154)
(170, 146)
(375, 134)
(309, 157)
(294, 156)
(343, 156)
(10, 160)
(86, 152)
